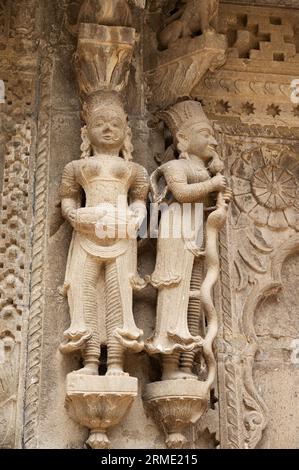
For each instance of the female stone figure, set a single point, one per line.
(103, 197)
(189, 179)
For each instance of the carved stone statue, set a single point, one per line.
(189, 179)
(185, 274)
(192, 17)
(101, 270)
(104, 198)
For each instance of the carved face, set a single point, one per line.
(107, 130)
(200, 141)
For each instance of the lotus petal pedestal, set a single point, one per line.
(99, 403)
(175, 404)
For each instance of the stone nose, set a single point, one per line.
(107, 126)
(213, 141)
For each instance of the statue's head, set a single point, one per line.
(191, 130)
(107, 124)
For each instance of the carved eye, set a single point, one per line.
(116, 124)
(206, 135)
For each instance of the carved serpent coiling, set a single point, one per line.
(214, 223)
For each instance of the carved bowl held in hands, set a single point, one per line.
(106, 221)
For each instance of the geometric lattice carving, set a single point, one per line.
(14, 295)
(263, 59)
(262, 37)
(14, 217)
(5, 6)
(18, 58)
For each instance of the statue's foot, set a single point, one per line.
(88, 370)
(74, 340)
(187, 374)
(171, 375)
(179, 374)
(210, 30)
(115, 371)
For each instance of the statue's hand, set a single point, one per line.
(133, 225)
(117, 224)
(228, 195)
(216, 166)
(219, 183)
(137, 216)
(72, 216)
(86, 218)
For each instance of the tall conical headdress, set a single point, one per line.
(182, 115)
(102, 99)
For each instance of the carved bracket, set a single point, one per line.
(103, 57)
(175, 72)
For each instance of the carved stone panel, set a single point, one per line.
(260, 237)
(18, 57)
(16, 210)
(154, 53)
(263, 57)
(276, 371)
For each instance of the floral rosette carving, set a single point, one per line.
(265, 186)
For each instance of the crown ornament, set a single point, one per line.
(184, 115)
(100, 100)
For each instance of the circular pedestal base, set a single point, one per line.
(175, 440)
(175, 404)
(98, 440)
(99, 403)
